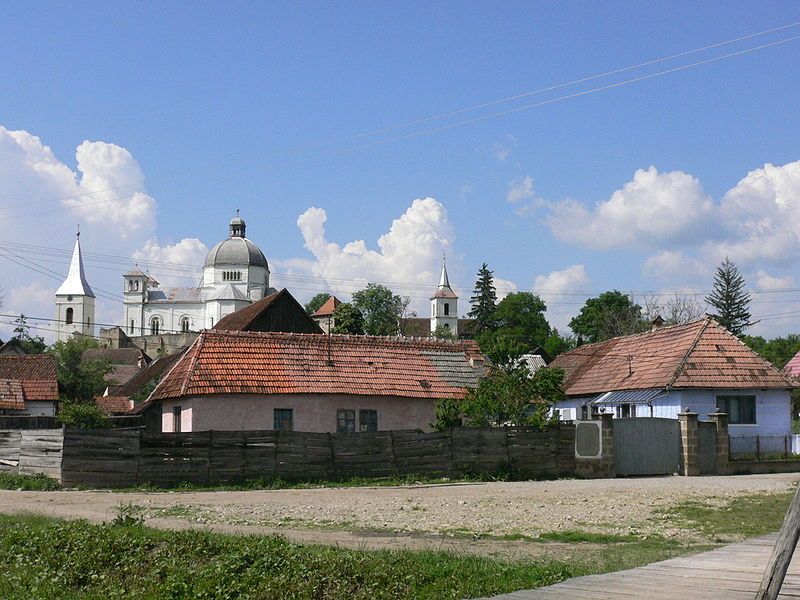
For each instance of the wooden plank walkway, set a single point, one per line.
(730, 573)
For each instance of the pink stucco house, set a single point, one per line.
(235, 380)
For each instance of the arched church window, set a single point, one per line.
(184, 324)
(131, 326)
(155, 325)
(446, 309)
(69, 316)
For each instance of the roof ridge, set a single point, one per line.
(192, 362)
(692, 346)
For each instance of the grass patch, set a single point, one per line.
(38, 483)
(735, 519)
(575, 536)
(74, 560)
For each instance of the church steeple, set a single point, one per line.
(75, 284)
(237, 226)
(75, 299)
(444, 304)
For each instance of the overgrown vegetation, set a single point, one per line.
(45, 559)
(83, 415)
(38, 483)
(79, 380)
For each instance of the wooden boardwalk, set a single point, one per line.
(730, 573)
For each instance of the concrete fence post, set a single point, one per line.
(609, 466)
(723, 449)
(688, 423)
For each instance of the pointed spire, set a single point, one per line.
(75, 284)
(444, 290)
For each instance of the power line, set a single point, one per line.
(542, 90)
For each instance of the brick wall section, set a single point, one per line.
(603, 467)
(689, 444)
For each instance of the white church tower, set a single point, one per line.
(74, 300)
(444, 305)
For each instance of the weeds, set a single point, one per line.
(38, 482)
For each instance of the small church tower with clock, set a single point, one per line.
(75, 300)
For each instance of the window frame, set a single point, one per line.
(281, 417)
(177, 424)
(723, 402)
(372, 420)
(345, 420)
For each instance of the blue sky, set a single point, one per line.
(194, 111)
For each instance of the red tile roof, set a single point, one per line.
(114, 404)
(328, 308)
(11, 396)
(226, 362)
(35, 372)
(793, 366)
(701, 354)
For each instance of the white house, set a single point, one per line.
(699, 366)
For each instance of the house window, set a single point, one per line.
(69, 316)
(176, 419)
(155, 325)
(625, 411)
(368, 420)
(345, 421)
(283, 419)
(184, 324)
(741, 409)
(446, 309)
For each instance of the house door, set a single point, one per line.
(647, 446)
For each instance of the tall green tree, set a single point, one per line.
(381, 308)
(348, 319)
(22, 332)
(484, 300)
(519, 327)
(316, 302)
(556, 343)
(79, 380)
(729, 299)
(609, 315)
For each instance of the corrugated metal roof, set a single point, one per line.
(628, 397)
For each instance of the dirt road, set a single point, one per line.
(468, 517)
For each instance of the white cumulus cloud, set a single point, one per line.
(177, 264)
(558, 290)
(410, 252)
(650, 210)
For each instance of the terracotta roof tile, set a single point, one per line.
(114, 404)
(225, 362)
(35, 372)
(328, 308)
(701, 354)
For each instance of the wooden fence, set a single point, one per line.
(31, 451)
(118, 458)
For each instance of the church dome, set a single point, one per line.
(237, 249)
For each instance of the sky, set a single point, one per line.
(574, 147)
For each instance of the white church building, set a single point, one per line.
(235, 274)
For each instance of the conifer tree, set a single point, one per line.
(729, 298)
(484, 300)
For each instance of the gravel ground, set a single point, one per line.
(415, 516)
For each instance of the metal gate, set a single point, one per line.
(707, 447)
(647, 446)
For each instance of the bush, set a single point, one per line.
(83, 415)
(36, 483)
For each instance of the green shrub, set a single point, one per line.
(83, 415)
(38, 482)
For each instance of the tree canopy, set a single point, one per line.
(381, 309)
(729, 299)
(79, 380)
(506, 396)
(609, 315)
(22, 332)
(484, 300)
(316, 302)
(348, 319)
(519, 326)
(778, 351)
